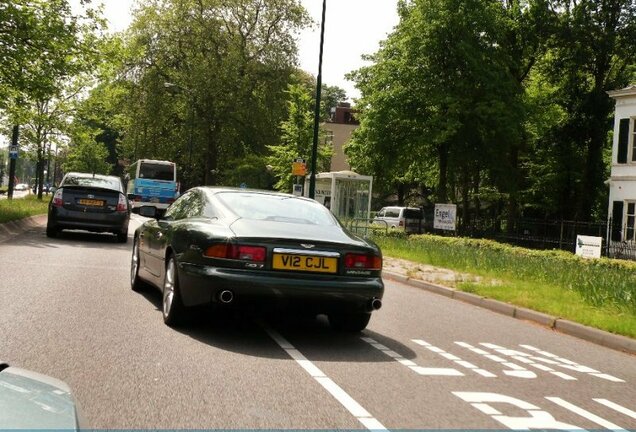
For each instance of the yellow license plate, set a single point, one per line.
(305, 263)
(91, 202)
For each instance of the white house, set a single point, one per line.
(622, 183)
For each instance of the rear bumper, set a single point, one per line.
(61, 218)
(202, 285)
(161, 206)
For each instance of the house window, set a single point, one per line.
(630, 221)
(633, 140)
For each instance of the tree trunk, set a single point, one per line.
(442, 191)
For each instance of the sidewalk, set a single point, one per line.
(440, 281)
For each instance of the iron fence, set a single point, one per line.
(529, 233)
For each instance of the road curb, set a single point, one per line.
(13, 228)
(580, 331)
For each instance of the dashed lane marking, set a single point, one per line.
(357, 410)
(513, 370)
(454, 358)
(411, 365)
(525, 358)
(555, 360)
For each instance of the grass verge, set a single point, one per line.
(599, 293)
(19, 208)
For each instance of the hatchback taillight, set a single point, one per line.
(239, 252)
(401, 223)
(122, 205)
(363, 261)
(57, 198)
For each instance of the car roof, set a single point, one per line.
(219, 189)
(80, 174)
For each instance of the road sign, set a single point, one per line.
(299, 168)
(445, 217)
(13, 152)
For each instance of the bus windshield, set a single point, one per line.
(155, 171)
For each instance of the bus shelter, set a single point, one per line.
(346, 193)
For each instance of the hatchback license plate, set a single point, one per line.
(305, 263)
(91, 202)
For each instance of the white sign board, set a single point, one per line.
(588, 247)
(445, 217)
(298, 190)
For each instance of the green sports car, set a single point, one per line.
(239, 248)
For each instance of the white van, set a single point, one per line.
(410, 219)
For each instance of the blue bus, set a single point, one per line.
(153, 183)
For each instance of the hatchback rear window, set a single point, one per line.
(412, 214)
(98, 182)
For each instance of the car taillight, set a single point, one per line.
(401, 223)
(170, 200)
(122, 205)
(57, 198)
(363, 261)
(137, 198)
(239, 252)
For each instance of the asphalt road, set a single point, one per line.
(425, 362)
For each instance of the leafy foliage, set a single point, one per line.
(297, 139)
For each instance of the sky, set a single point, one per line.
(353, 28)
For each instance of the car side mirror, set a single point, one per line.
(149, 211)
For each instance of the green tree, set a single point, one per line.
(86, 154)
(440, 105)
(593, 52)
(210, 91)
(297, 139)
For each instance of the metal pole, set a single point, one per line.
(314, 148)
(12, 162)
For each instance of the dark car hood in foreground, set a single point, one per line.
(29, 400)
(294, 231)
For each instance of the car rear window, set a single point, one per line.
(277, 208)
(392, 213)
(412, 214)
(99, 182)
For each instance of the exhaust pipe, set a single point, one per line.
(226, 296)
(375, 304)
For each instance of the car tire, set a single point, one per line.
(171, 306)
(352, 322)
(122, 236)
(51, 231)
(136, 284)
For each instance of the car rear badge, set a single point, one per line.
(307, 246)
(91, 196)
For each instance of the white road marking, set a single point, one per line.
(586, 414)
(555, 360)
(454, 358)
(617, 407)
(607, 377)
(361, 414)
(514, 370)
(411, 365)
(526, 359)
(537, 419)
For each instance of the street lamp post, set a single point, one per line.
(314, 147)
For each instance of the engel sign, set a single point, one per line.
(588, 247)
(445, 216)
